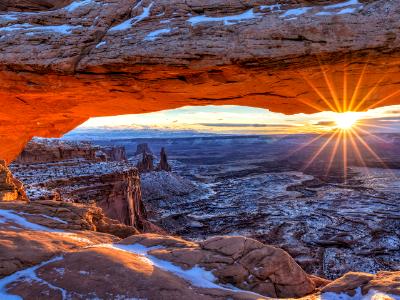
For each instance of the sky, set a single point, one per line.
(245, 120)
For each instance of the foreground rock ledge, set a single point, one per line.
(54, 250)
(75, 60)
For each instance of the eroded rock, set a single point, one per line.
(153, 55)
(11, 189)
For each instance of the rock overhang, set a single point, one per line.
(96, 58)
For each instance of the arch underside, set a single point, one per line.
(50, 82)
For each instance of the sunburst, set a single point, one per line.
(346, 134)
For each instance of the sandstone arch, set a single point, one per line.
(60, 67)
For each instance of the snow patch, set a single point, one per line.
(101, 44)
(130, 22)
(274, 7)
(45, 216)
(156, 34)
(8, 17)
(33, 29)
(331, 10)
(342, 4)
(197, 276)
(27, 274)
(21, 221)
(347, 11)
(77, 4)
(372, 295)
(295, 12)
(228, 20)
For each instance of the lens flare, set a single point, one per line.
(344, 138)
(347, 120)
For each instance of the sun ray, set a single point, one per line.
(357, 150)
(307, 144)
(357, 88)
(330, 88)
(376, 104)
(344, 156)
(322, 148)
(319, 93)
(334, 152)
(370, 92)
(372, 135)
(369, 149)
(345, 87)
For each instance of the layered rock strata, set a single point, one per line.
(48, 151)
(78, 175)
(143, 56)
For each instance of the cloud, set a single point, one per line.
(235, 125)
(325, 123)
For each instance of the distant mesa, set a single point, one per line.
(146, 164)
(143, 148)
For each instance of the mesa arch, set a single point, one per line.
(61, 65)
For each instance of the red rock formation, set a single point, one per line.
(143, 148)
(11, 189)
(72, 172)
(69, 216)
(146, 164)
(242, 262)
(353, 283)
(79, 262)
(31, 5)
(55, 64)
(163, 165)
(45, 151)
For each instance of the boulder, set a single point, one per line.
(242, 262)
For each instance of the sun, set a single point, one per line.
(347, 120)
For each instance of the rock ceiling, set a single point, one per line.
(62, 62)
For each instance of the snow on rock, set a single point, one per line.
(77, 4)
(295, 12)
(372, 295)
(156, 34)
(21, 221)
(342, 4)
(28, 274)
(130, 22)
(274, 7)
(33, 29)
(101, 44)
(196, 275)
(45, 216)
(227, 20)
(331, 10)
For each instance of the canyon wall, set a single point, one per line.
(62, 65)
(47, 151)
(75, 172)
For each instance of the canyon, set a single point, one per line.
(89, 220)
(201, 200)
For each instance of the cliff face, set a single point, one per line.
(47, 151)
(11, 189)
(74, 172)
(143, 56)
